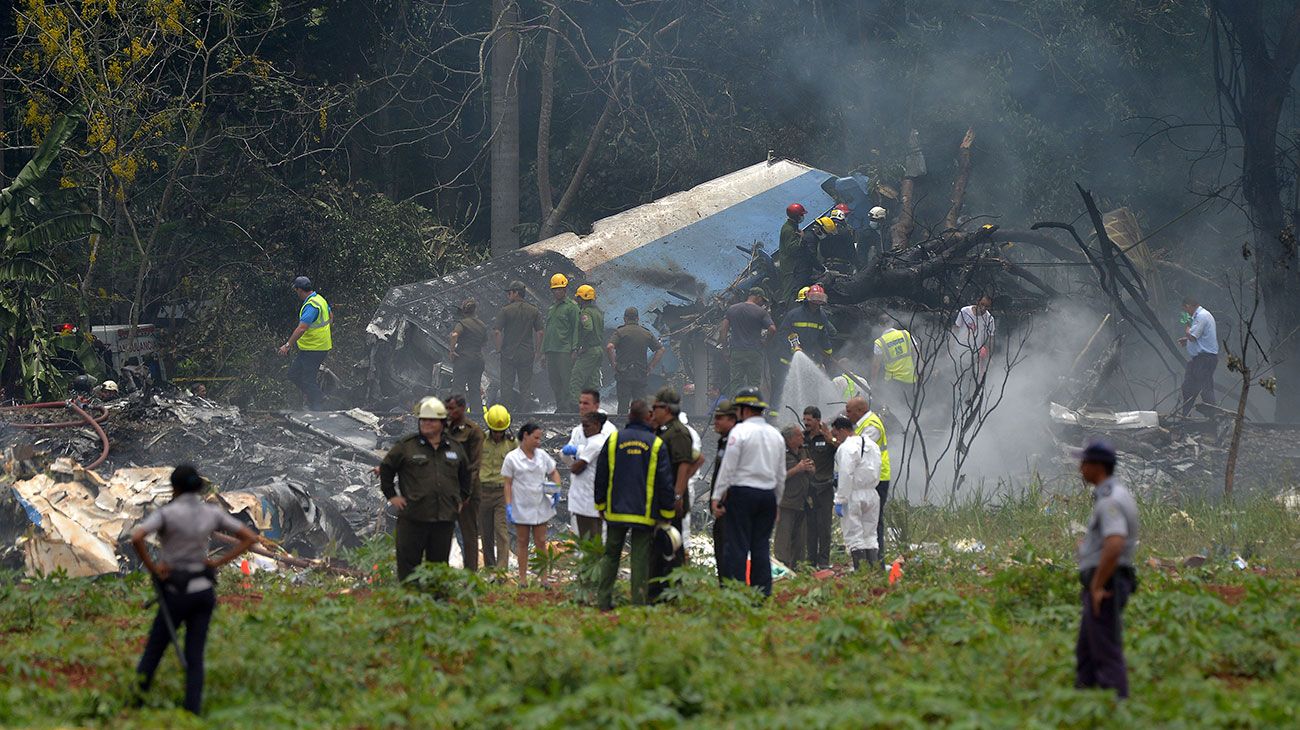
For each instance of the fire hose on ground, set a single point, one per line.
(86, 419)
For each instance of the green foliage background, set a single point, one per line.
(348, 141)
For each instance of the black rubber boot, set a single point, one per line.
(857, 556)
(871, 557)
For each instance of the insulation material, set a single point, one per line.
(77, 525)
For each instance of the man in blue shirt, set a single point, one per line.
(1202, 344)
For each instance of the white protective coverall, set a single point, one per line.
(857, 462)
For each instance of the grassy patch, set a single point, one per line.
(969, 638)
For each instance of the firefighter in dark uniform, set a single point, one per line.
(807, 328)
(432, 471)
(838, 252)
(633, 493)
(471, 437)
(685, 462)
(1106, 570)
(724, 419)
(468, 337)
(821, 447)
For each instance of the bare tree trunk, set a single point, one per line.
(1238, 422)
(913, 168)
(902, 230)
(544, 194)
(505, 128)
(1253, 76)
(552, 222)
(959, 184)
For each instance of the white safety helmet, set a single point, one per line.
(431, 408)
(669, 539)
(109, 386)
(877, 214)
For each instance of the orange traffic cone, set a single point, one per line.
(247, 570)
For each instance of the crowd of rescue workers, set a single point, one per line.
(770, 491)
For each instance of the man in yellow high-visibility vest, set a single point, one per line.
(867, 424)
(312, 338)
(896, 350)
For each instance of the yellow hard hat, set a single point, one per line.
(803, 293)
(827, 224)
(586, 292)
(431, 408)
(559, 281)
(498, 418)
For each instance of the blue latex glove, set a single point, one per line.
(569, 450)
(839, 510)
(555, 499)
(510, 515)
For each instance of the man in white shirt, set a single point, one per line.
(1202, 344)
(750, 483)
(857, 461)
(582, 448)
(973, 332)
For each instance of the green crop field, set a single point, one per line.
(977, 636)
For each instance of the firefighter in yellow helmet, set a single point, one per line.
(589, 345)
(492, 525)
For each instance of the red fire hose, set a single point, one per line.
(103, 414)
(86, 419)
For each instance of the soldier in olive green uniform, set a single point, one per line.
(518, 335)
(470, 436)
(467, 340)
(790, 543)
(432, 471)
(492, 505)
(684, 461)
(589, 345)
(558, 342)
(627, 349)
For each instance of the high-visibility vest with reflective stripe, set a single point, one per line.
(896, 348)
(317, 336)
(646, 517)
(873, 420)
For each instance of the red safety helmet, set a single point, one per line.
(795, 210)
(843, 207)
(816, 294)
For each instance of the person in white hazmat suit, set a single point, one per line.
(857, 465)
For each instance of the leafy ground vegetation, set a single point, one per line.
(976, 635)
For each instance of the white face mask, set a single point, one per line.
(875, 225)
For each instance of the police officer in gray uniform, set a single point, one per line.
(1106, 572)
(185, 576)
